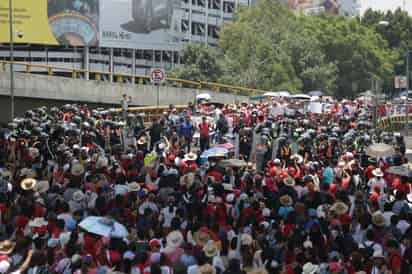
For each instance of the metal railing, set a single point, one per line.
(77, 73)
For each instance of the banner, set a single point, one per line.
(143, 24)
(313, 7)
(400, 81)
(52, 22)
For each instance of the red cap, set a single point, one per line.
(346, 219)
(292, 171)
(154, 243)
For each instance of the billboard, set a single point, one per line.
(52, 22)
(314, 6)
(146, 24)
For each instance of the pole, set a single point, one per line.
(11, 61)
(158, 91)
(407, 93)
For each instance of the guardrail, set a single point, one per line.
(131, 78)
(393, 122)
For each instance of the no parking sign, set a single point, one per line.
(157, 75)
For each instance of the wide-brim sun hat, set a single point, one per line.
(378, 220)
(174, 239)
(7, 247)
(133, 187)
(289, 181)
(41, 186)
(77, 169)
(201, 238)
(190, 156)
(285, 200)
(298, 157)
(339, 208)
(310, 268)
(210, 249)
(377, 172)
(78, 196)
(28, 183)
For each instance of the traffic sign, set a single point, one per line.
(157, 75)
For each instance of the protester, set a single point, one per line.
(99, 191)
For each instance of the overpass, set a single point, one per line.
(54, 88)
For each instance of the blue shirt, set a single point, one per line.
(328, 175)
(186, 129)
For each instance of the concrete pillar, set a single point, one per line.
(111, 65)
(153, 58)
(190, 21)
(207, 21)
(133, 65)
(86, 62)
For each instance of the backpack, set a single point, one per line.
(368, 250)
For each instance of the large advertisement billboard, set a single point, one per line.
(146, 24)
(51, 22)
(314, 6)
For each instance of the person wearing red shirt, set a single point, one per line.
(204, 134)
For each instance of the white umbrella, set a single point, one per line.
(104, 227)
(301, 97)
(203, 96)
(380, 150)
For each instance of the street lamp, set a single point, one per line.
(11, 61)
(407, 92)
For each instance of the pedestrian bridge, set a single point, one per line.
(47, 85)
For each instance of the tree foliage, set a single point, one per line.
(269, 47)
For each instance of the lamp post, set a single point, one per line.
(407, 93)
(11, 61)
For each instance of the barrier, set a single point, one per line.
(125, 77)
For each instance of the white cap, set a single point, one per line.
(4, 266)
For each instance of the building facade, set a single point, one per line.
(127, 36)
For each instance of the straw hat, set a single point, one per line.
(246, 239)
(339, 208)
(201, 238)
(133, 187)
(285, 200)
(77, 169)
(174, 239)
(38, 222)
(310, 268)
(102, 162)
(207, 269)
(7, 247)
(190, 156)
(378, 219)
(27, 172)
(142, 140)
(298, 158)
(78, 196)
(28, 183)
(41, 186)
(210, 249)
(377, 172)
(187, 179)
(289, 181)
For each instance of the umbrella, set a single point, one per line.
(301, 97)
(232, 163)
(214, 152)
(380, 150)
(203, 96)
(403, 171)
(104, 227)
(315, 93)
(228, 146)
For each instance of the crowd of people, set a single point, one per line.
(302, 195)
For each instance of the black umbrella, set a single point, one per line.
(403, 171)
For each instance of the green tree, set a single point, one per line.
(200, 64)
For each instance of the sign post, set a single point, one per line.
(157, 77)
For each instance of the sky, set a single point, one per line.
(385, 5)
